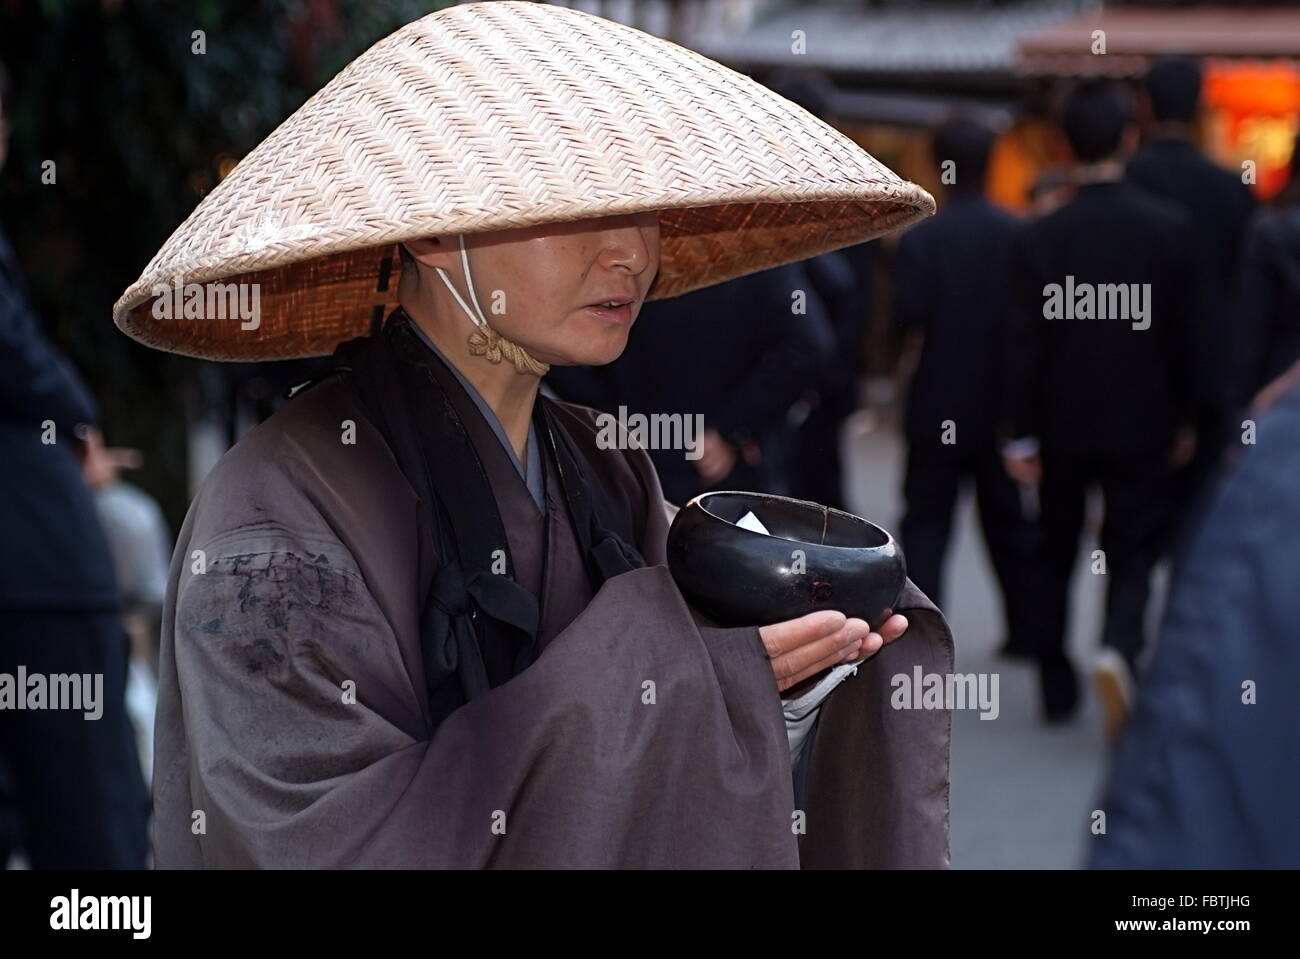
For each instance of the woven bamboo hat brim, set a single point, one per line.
(490, 116)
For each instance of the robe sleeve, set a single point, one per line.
(878, 780)
(638, 738)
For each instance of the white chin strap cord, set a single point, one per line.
(485, 341)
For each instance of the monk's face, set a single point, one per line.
(568, 293)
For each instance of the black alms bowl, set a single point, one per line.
(815, 558)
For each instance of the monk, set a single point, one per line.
(420, 617)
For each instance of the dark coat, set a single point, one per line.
(55, 555)
(842, 280)
(1215, 199)
(952, 276)
(1267, 341)
(1099, 386)
(1219, 206)
(813, 466)
(1205, 775)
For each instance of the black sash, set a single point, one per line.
(478, 627)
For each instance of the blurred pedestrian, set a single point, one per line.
(815, 467)
(1219, 206)
(74, 778)
(842, 280)
(1267, 340)
(1102, 389)
(953, 280)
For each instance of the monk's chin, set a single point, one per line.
(572, 361)
(595, 350)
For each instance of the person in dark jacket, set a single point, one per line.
(952, 276)
(739, 354)
(1205, 775)
(1267, 340)
(842, 282)
(1219, 205)
(76, 791)
(1102, 389)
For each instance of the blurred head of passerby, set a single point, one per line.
(961, 147)
(1098, 124)
(1173, 88)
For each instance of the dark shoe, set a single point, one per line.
(1060, 689)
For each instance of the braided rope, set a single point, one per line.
(487, 342)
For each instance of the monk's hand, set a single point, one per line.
(800, 648)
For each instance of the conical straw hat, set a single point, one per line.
(489, 116)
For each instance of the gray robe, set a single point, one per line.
(292, 728)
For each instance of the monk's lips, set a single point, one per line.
(812, 558)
